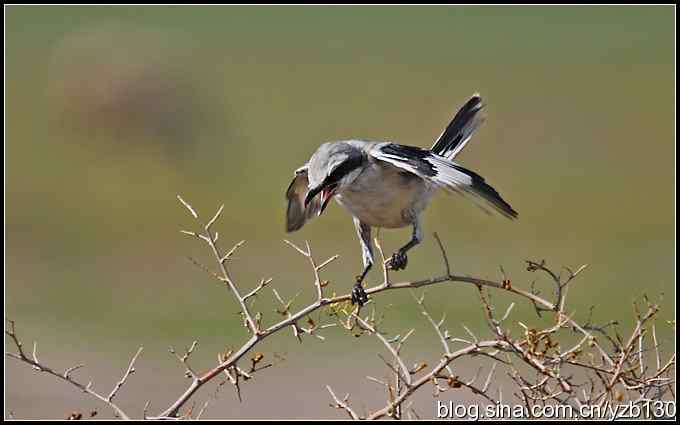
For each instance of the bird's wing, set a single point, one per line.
(441, 172)
(296, 213)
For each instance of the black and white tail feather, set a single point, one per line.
(459, 131)
(436, 165)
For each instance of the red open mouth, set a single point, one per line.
(326, 195)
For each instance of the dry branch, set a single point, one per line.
(619, 373)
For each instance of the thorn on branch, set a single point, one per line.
(188, 207)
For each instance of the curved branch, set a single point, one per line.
(623, 367)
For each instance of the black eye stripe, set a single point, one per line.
(344, 168)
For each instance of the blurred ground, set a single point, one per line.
(113, 111)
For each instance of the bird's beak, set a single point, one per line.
(326, 193)
(311, 194)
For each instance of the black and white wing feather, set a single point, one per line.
(296, 213)
(441, 172)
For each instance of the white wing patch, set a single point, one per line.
(441, 172)
(431, 167)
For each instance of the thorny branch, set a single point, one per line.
(623, 373)
(609, 376)
(66, 375)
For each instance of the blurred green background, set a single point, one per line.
(113, 111)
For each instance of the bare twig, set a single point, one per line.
(66, 375)
(611, 373)
(130, 370)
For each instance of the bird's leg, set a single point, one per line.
(399, 260)
(364, 231)
(359, 296)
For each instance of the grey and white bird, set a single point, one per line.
(387, 185)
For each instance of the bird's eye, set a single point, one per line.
(334, 169)
(343, 168)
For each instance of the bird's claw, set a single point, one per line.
(398, 261)
(359, 296)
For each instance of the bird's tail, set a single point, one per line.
(459, 131)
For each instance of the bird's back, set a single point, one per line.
(382, 195)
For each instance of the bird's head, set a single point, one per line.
(333, 166)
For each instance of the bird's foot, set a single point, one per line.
(359, 296)
(398, 261)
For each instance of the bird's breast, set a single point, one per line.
(385, 197)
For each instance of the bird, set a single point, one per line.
(389, 185)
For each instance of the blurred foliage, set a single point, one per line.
(113, 111)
